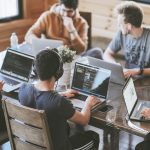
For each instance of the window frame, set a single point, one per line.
(142, 1)
(19, 16)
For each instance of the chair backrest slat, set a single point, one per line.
(21, 113)
(22, 145)
(27, 133)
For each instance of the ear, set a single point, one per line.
(130, 26)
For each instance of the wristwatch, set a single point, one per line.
(141, 71)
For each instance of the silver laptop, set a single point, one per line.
(117, 76)
(15, 69)
(133, 104)
(90, 80)
(40, 43)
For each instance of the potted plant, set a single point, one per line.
(67, 56)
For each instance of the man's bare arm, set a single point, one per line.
(109, 55)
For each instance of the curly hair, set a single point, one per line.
(131, 11)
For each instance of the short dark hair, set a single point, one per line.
(47, 63)
(131, 11)
(70, 3)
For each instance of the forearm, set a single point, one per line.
(77, 43)
(31, 35)
(109, 56)
(82, 117)
(146, 71)
(86, 112)
(35, 31)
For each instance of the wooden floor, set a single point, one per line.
(127, 142)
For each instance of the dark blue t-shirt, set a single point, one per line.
(58, 109)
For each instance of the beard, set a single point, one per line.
(125, 32)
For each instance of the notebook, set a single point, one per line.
(90, 80)
(117, 76)
(15, 69)
(133, 104)
(39, 44)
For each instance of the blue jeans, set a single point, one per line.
(93, 52)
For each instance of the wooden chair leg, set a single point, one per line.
(115, 139)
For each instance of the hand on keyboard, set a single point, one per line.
(146, 113)
(142, 117)
(69, 93)
(91, 101)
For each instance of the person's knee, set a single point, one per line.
(145, 145)
(94, 52)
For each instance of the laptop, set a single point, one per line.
(117, 76)
(133, 104)
(39, 44)
(15, 69)
(90, 80)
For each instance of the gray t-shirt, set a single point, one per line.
(136, 51)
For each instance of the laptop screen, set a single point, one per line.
(117, 76)
(91, 80)
(17, 64)
(129, 95)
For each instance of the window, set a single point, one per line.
(10, 10)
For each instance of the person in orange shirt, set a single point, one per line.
(63, 22)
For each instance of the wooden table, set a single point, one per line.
(121, 124)
(98, 118)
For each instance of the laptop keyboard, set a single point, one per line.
(80, 97)
(8, 81)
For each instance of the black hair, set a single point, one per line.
(47, 63)
(70, 3)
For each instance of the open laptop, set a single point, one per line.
(117, 76)
(90, 80)
(15, 69)
(133, 104)
(41, 43)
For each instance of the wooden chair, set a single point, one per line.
(88, 17)
(27, 127)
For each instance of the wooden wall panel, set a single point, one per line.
(104, 23)
(32, 9)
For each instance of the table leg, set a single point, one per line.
(115, 139)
